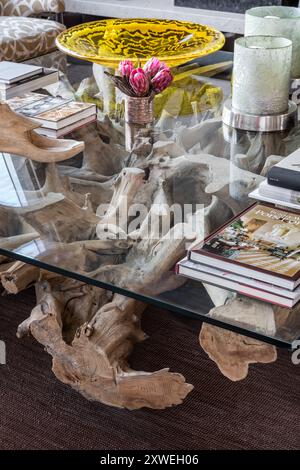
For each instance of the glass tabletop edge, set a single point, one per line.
(201, 317)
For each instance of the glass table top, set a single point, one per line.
(121, 220)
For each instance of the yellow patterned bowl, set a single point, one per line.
(107, 42)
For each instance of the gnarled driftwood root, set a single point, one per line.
(82, 225)
(233, 352)
(94, 362)
(18, 276)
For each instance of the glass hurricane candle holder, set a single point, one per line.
(261, 75)
(277, 21)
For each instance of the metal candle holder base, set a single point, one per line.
(251, 122)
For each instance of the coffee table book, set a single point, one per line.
(262, 243)
(282, 194)
(32, 104)
(11, 72)
(286, 173)
(46, 78)
(57, 134)
(276, 195)
(240, 284)
(65, 115)
(57, 116)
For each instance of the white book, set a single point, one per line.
(48, 77)
(279, 197)
(286, 173)
(241, 284)
(284, 194)
(11, 72)
(56, 134)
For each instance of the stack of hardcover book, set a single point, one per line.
(57, 116)
(256, 254)
(16, 79)
(282, 186)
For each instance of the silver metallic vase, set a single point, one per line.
(138, 115)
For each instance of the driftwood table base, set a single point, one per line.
(233, 352)
(91, 332)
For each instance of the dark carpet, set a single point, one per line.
(39, 412)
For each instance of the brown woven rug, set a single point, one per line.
(38, 412)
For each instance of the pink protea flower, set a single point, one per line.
(125, 68)
(139, 82)
(163, 65)
(152, 66)
(162, 80)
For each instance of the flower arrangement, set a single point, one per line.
(145, 81)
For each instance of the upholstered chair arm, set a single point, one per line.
(30, 7)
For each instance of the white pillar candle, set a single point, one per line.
(277, 21)
(261, 75)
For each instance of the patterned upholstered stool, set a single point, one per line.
(27, 39)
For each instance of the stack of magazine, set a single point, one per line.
(57, 116)
(255, 254)
(16, 79)
(282, 186)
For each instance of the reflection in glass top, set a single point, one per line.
(121, 221)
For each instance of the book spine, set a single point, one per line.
(283, 194)
(284, 178)
(250, 292)
(275, 300)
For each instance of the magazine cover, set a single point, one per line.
(263, 237)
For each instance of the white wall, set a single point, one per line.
(224, 21)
